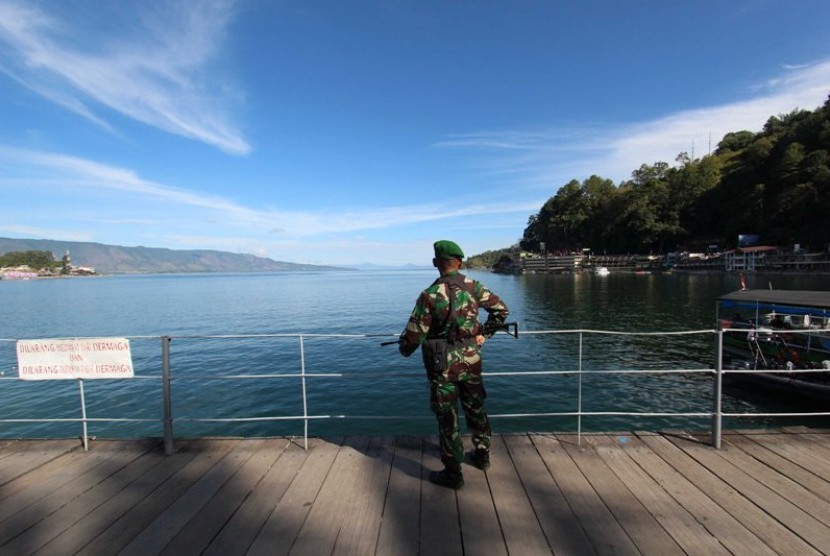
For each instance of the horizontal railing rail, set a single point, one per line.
(167, 376)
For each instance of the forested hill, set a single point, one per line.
(115, 259)
(774, 183)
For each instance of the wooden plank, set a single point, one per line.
(290, 512)
(820, 442)
(817, 436)
(521, 529)
(562, 529)
(129, 463)
(361, 526)
(197, 534)
(820, 436)
(795, 446)
(5, 444)
(440, 532)
(629, 512)
(769, 530)
(101, 464)
(104, 516)
(781, 456)
(781, 477)
(11, 446)
(481, 531)
(715, 519)
(338, 498)
(399, 529)
(243, 526)
(26, 455)
(603, 530)
(167, 524)
(33, 484)
(133, 522)
(752, 481)
(686, 531)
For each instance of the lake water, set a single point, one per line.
(377, 390)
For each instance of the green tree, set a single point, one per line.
(735, 141)
(687, 186)
(37, 260)
(775, 183)
(531, 239)
(650, 218)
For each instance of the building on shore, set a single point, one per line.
(26, 272)
(758, 258)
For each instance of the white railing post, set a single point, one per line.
(305, 399)
(579, 396)
(717, 415)
(84, 435)
(168, 403)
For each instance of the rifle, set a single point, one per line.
(398, 341)
(487, 329)
(490, 328)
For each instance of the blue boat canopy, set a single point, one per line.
(782, 301)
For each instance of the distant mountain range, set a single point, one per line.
(116, 259)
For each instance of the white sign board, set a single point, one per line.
(86, 358)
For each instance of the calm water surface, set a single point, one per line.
(377, 391)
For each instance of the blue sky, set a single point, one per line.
(343, 132)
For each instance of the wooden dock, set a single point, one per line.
(764, 492)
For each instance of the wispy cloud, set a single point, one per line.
(575, 152)
(700, 130)
(151, 71)
(32, 170)
(44, 232)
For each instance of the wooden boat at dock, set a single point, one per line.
(784, 333)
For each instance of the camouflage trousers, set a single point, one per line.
(444, 398)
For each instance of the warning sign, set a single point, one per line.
(87, 358)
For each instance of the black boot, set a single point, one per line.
(479, 458)
(449, 477)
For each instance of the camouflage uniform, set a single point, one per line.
(462, 377)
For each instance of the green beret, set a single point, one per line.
(446, 249)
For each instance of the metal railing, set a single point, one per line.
(167, 377)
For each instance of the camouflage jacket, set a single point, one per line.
(431, 316)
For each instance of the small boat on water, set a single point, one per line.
(784, 333)
(602, 271)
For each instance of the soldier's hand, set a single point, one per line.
(480, 340)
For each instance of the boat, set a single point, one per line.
(602, 271)
(784, 333)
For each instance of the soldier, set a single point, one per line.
(445, 324)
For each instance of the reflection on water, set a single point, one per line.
(374, 380)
